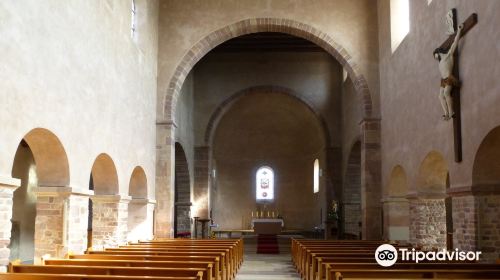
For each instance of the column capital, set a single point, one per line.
(142, 201)
(394, 199)
(111, 198)
(425, 196)
(167, 123)
(9, 183)
(61, 191)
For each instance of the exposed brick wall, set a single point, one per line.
(464, 222)
(6, 195)
(49, 224)
(77, 223)
(110, 221)
(182, 191)
(428, 223)
(489, 226)
(165, 158)
(352, 192)
(371, 178)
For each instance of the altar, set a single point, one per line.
(267, 226)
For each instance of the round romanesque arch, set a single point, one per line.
(224, 106)
(256, 25)
(104, 175)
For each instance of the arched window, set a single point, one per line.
(264, 181)
(316, 176)
(400, 21)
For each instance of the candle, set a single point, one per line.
(273, 214)
(252, 214)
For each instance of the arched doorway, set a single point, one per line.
(428, 209)
(486, 190)
(139, 220)
(40, 161)
(182, 211)
(396, 207)
(168, 98)
(109, 214)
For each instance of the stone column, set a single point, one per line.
(140, 219)
(475, 219)
(396, 218)
(7, 188)
(428, 221)
(164, 187)
(371, 179)
(109, 220)
(61, 221)
(201, 179)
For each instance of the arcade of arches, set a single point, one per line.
(109, 135)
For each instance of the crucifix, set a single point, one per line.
(449, 91)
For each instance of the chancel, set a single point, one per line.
(244, 140)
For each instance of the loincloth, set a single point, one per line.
(450, 81)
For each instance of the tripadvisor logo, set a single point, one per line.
(387, 255)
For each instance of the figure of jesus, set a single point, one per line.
(448, 81)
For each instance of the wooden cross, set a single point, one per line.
(455, 93)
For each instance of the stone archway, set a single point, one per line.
(369, 126)
(396, 206)
(428, 225)
(42, 166)
(226, 104)
(140, 208)
(109, 209)
(482, 209)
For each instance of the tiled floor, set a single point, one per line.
(267, 267)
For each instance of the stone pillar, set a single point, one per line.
(61, 221)
(476, 225)
(164, 187)
(140, 219)
(371, 179)
(428, 221)
(109, 220)
(7, 188)
(201, 179)
(396, 218)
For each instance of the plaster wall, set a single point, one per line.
(276, 131)
(352, 24)
(409, 79)
(314, 77)
(72, 67)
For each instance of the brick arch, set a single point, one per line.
(256, 25)
(226, 105)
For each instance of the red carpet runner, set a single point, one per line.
(267, 244)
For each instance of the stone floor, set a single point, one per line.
(267, 267)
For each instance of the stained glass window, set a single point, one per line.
(264, 183)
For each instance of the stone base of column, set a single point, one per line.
(140, 219)
(428, 223)
(109, 221)
(7, 188)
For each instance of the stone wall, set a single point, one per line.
(489, 226)
(7, 188)
(465, 221)
(109, 221)
(428, 223)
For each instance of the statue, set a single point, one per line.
(448, 80)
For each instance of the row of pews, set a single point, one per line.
(162, 259)
(355, 260)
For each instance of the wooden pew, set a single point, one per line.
(224, 261)
(409, 265)
(127, 263)
(138, 258)
(38, 276)
(385, 273)
(200, 274)
(233, 252)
